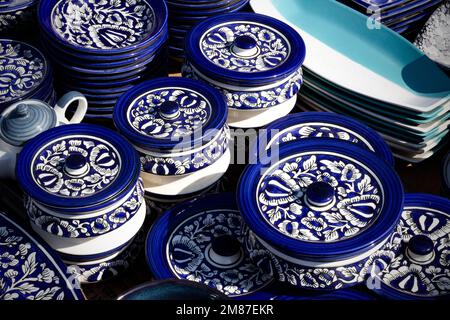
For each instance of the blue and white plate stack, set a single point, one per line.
(24, 74)
(184, 14)
(403, 16)
(103, 47)
(17, 16)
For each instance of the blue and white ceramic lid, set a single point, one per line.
(170, 114)
(201, 240)
(325, 125)
(248, 49)
(29, 269)
(25, 120)
(23, 69)
(321, 200)
(446, 174)
(77, 167)
(421, 270)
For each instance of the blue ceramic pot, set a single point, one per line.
(322, 210)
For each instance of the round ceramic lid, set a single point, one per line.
(245, 48)
(325, 125)
(25, 120)
(201, 241)
(446, 173)
(421, 270)
(23, 69)
(170, 114)
(29, 269)
(79, 166)
(320, 200)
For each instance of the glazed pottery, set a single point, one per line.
(178, 126)
(82, 190)
(172, 289)
(201, 240)
(322, 209)
(419, 269)
(254, 60)
(24, 120)
(317, 125)
(29, 269)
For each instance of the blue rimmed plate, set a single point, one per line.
(29, 269)
(201, 241)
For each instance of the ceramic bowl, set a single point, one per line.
(201, 241)
(235, 53)
(84, 196)
(178, 127)
(419, 270)
(323, 211)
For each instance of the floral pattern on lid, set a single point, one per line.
(102, 24)
(245, 46)
(22, 69)
(421, 270)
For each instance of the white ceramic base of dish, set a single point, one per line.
(95, 245)
(259, 117)
(188, 183)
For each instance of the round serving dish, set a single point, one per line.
(307, 125)
(172, 289)
(178, 127)
(254, 60)
(201, 240)
(419, 269)
(83, 191)
(108, 27)
(322, 210)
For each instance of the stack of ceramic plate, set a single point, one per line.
(102, 48)
(393, 87)
(184, 14)
(402, 16)
(16, 16)
(24, 74)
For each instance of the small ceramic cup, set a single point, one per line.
(24, 120)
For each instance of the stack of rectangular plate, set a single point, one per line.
(373, 75)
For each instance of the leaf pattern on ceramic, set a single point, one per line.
(433, 277)
(187, 254)
(281, 197)
(103, 166)
(144, 115)
(89, 227)
(22, 69)
(190, 163)
(27, 272)
(255, 99)
(273, 48)
(102, 24)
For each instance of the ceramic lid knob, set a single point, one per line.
(225, 251)
(420, 249)
(169, 110)
(76, 164)
(23, 121)
(245, 46)
(320, 195)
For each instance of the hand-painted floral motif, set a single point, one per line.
(189, 163)
(89, 227)
(102, 24)
(22, 69)
(283, 204)
(430, 278)
(27, 271)
(272, 47)
(145, 114)
(255, 99)
(103, 165)
(189, 257)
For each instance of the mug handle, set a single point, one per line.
(65, 101)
